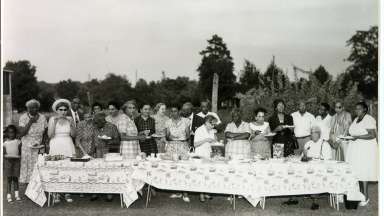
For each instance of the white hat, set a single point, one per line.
(60, 101)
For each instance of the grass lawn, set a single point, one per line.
(161, 204)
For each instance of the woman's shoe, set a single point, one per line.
(56, 198)
(176, 196)
(208, 196)
(94, 197)
(291, 202)
(364, 203)
(186, 199)
(202, 198)
(315, 206)
(68, 198)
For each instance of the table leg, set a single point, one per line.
(148, 196)
(234, 202)
(121, 201)
(263, 203)
(337, 202)
(49, 199)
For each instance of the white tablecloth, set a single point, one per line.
(95, 176)
(251, 180)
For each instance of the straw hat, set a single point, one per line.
(60, 101)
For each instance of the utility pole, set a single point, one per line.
(89, 93)
(215, 90)
(273, 75)
(135, 76)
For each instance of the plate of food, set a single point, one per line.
(104, 137)
(37, 146)
(346, 137)
(80, 159)
(197, 159)
(158, 135)
(54, 157)
(12, 156)
(270, 134)
(217, 144)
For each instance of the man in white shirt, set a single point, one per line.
(323, 120)
(195, 121)
(75, 113)
(205, 107)
(317, 147)
(303, 122)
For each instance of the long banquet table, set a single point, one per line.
(252, 179)
(95, 176)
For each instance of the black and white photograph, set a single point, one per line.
(190, 107)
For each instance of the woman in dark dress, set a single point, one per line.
(278, 123)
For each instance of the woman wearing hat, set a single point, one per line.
(61, 129)
(32, 126)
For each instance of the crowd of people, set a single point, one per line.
(131, 129)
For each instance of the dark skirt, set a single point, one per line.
(148, 146)
(11, 167)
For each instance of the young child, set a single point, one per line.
(11, 151)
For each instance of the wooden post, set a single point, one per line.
(215, 88)
(89, 99)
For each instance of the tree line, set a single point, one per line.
(359, 80)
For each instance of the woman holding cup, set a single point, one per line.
(177, 136)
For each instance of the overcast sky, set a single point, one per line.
(74, 38)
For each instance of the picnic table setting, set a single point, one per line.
(254, 179)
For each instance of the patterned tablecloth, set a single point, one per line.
(253, 179)
(95, 176)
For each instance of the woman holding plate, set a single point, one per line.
(260, 145)
(281, 124)
(177, 134)
(129, 136)
(363, 152)
(32, 126)
(61, 130)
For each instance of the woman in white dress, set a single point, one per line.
(205, 135)
(363, 153)
(260, 145)
(61, 129)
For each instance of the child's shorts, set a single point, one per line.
(12, 167)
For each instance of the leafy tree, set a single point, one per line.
(67, 89)
(46, 95)
(250, 77)
(216, 58)
(24, 82)
(144, 92)
(274, 78)
(113, 87)
(364, 59)
(322, 74)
